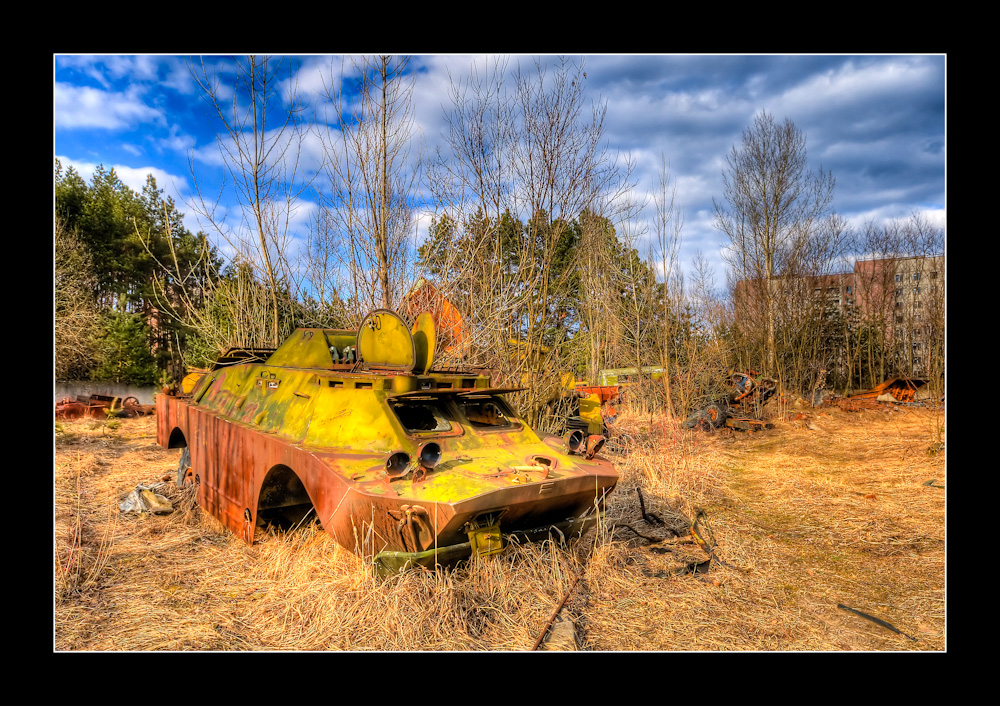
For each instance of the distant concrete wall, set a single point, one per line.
(72, 388)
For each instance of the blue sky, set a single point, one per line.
(877, 122)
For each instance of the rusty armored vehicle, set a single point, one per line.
(401, 463)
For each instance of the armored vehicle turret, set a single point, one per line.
(401, 463)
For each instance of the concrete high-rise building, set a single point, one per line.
(903, 294)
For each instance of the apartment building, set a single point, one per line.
(905, 292)
(835, 290)
(908, 294)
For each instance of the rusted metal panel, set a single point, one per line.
(896, 389)
(604, 393)
(265, 436)
(902, 389)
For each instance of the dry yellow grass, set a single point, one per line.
(814, 513)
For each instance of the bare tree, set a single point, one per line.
(599, 290)
(260, 138)
(525, 162)
(222, 309)
(668, 223)
(560, 171)
(770, 208)
(368, 211)
(704, 349)
(812, 307)
(481, 131)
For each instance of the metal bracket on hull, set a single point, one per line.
(390, 562)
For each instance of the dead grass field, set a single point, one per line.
(833, 510)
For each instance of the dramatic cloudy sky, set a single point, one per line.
(877, 122)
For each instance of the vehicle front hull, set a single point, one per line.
(239, 470)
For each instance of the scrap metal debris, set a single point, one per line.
(697, 532)
(750, 389)
(748, 393)
(647, 516)
(897, 390)
(101, 407)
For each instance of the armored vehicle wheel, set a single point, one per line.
(183, 466)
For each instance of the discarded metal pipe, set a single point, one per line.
(573, 441)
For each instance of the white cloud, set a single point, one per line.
(177, 75)
(135, 178)
(136, 68)
(859, 83)
(177, 141)
(935, 216)
(317, 76)
(901, 212)
(85, 107)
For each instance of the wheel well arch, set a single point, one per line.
(176, 440)
(283, 499)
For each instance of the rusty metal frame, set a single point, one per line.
(902, 389)
(99, 406)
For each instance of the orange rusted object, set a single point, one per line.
(748, 389)
(605, 393)
(902, 389)
(402, 467)
(101, 407)
(450, 326)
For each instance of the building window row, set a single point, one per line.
(916, 276)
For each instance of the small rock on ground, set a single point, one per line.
(562, 636)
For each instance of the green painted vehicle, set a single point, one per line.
(400, 463)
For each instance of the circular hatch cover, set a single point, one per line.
(384, 341)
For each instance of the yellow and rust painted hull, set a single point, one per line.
(263, 435)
